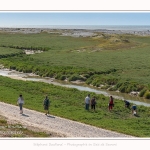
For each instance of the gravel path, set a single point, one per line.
(62, 127)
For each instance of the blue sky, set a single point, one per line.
(10, 19)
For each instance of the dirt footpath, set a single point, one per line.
(60, 127)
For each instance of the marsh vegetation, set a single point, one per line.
(117, 62)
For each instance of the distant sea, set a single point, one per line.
(91, 27)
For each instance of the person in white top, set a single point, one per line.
(20, 102)
(87, 102)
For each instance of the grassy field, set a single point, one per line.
(120, 62)
(69, 103)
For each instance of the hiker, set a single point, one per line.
(134, 110)
(127, 104)
(20, 102)
(111, 103)
(93, 103)
(46, 104)
(87, 102)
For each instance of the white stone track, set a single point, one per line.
(62, 127)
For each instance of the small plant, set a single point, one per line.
(147, 95)
(3, 122)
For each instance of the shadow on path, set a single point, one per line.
(50, 116)
(25, 115)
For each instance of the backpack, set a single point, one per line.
(46, 102)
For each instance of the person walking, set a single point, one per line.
(46, 104)
(87, 102)
(20, 102)
(111, 103)
(93, 103)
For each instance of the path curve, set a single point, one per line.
(60, 126)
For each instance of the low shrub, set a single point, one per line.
(75, 77)
(142, 92)
(147, 94)
(62, 77)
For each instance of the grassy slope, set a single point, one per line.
(69, 103)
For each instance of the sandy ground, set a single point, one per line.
(73, 32)
(57, 126)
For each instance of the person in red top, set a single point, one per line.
(111, 103)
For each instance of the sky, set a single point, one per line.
(41, 18)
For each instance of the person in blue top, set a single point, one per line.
(134, 110)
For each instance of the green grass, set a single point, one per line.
(8, 52)
(51, 41)
(4, 50)
(119, 60)
(69, 103)
(67, 56)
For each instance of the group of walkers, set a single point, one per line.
(88, 102)
(46, 104)
(92, 102)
